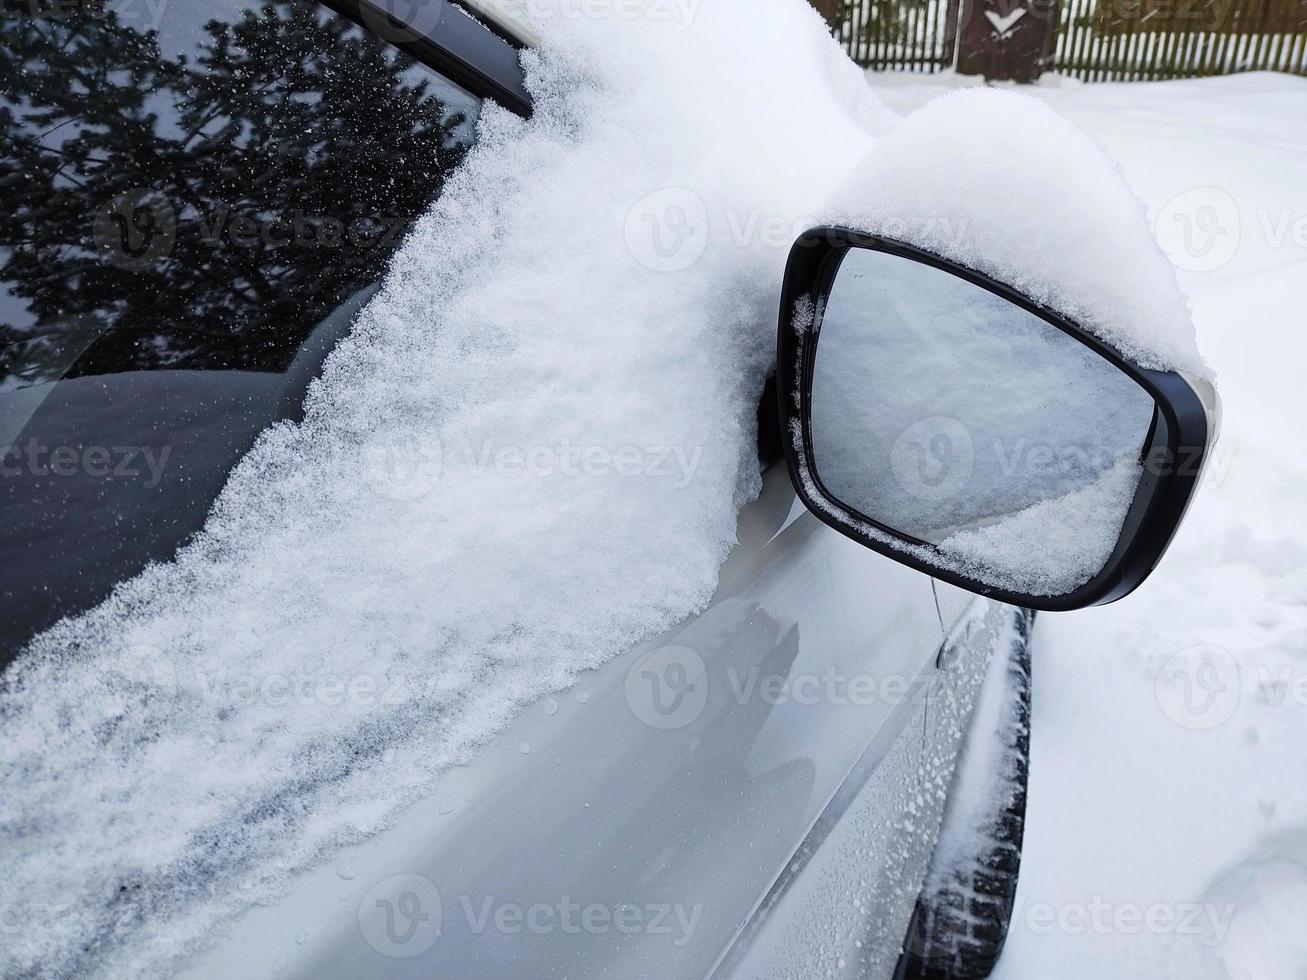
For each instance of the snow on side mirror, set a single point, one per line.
(944, 419)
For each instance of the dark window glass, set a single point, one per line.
(191, 192)
(199, 193)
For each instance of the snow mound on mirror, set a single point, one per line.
(528, 456)
(1054, 546)
(1001, 183)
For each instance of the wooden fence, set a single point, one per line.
(1119, 40)
(1096, 40)
(912, 35)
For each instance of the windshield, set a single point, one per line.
(193, 191)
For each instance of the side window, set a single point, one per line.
(200, 188)
(191, 191)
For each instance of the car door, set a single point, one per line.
(639, 825)
(636, 825)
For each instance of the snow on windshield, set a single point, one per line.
(529, 455)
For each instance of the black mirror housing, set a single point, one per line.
(1171, 459)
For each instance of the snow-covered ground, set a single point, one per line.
(1167, 832)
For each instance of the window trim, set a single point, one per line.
(502, 21)
(462, 49)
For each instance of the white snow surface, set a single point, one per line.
(1056, 545)
(1167, 824)
(345, 628)
(1003, 184)
(528, 455)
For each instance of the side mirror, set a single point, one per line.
(945, 420)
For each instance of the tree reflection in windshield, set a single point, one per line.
(204, 209)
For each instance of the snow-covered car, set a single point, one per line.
(819, 772)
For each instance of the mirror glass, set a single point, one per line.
(957, 418)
